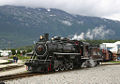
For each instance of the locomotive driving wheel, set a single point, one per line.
(62, 67)
(71, 66)
(57, 69)
(66, 66)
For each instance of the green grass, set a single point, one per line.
(115, 61)
(20, 57)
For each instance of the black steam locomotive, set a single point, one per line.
(62, 54)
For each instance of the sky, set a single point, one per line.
(100, 8)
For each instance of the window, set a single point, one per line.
(108, 48)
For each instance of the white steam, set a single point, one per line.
(96, 33)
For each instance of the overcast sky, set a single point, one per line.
(100, 8)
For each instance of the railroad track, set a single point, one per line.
(30, 74)
(17, 76)
(25, 74)
(6, 62)
(10, 67)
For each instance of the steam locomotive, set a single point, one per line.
(59, 54)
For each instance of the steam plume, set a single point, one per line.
(96, 33)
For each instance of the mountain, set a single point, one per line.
(21, 26)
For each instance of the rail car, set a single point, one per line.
(59, 54)
(107, 55)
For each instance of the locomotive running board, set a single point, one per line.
(66, 53)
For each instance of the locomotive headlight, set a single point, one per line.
(41, 37)
(52, 39)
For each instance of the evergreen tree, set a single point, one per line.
(23, 52)
(18, 52)
(13, 51)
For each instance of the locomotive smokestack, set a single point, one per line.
(46, 35)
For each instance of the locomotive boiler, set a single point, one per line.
(61, 53)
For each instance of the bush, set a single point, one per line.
(20, 57)
(29, 50)
(13, 51)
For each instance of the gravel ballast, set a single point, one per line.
(109, 74)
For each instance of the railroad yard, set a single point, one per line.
(60, 42)
(103, 74)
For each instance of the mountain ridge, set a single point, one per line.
(22, 25)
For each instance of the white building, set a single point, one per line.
(5, 52)
(113, 47)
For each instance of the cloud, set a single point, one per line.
(96, 33)
(100, 8)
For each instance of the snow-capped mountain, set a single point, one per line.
(21, 26)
